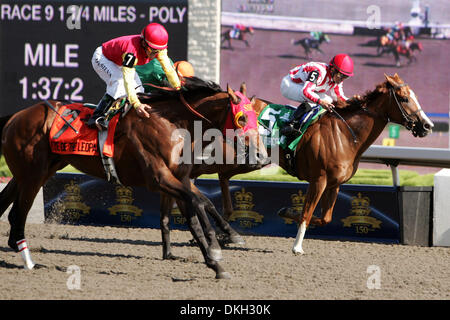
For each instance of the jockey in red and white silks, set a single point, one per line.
(309, 82)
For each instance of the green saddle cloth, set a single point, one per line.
(273, 117)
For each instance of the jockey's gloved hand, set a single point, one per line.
(142, 110)
(326, 105)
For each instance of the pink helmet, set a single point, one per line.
(156, 36)
(343, 63)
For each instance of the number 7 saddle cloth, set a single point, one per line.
(64, 139)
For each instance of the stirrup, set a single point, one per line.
(289, 130)
(101, 124)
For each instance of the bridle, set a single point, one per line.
(408, 118)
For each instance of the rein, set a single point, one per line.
(355, 140)
(183, 100)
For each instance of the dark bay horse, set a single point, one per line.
(327, 156)
(226, 170)
(146, 154)
(310, 44)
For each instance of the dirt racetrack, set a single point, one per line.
(125, 263)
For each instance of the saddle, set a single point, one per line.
(273, 117)
(69, 133)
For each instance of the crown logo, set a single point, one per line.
(360, 205)
(124, 195)
(124, 206)
(244, 200)
(243, 212)
(72, 202)
(360, 219)
(73, 192)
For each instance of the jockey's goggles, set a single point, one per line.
(152, 51)
(341, 75)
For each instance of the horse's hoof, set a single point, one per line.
(215, 254)
(298, 251)
(237, 239)
(171, 257)
(223, 275)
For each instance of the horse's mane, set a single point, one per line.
(352, 105)
(192, 86)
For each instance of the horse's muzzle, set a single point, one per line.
(421, 130)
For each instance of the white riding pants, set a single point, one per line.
(294, 91)
(112, 74)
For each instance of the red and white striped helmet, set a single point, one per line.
(343, 63)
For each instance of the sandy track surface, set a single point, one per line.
(126, 263)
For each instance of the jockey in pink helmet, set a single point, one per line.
(114, 62)
(308, 83)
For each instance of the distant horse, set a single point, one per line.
(145, 155)
(408, 52)
(328, 156)
(236, 33)
(310, 43)
(398, 48)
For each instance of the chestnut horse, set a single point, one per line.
(328, 155)
(145, 155)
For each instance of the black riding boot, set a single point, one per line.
(98, 117)
(293, 125)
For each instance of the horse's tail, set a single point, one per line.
(3, 121)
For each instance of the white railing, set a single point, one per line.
(394, 156)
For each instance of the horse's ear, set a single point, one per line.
(243, 89)
(234, 98)
(397, 78)
(391, 80)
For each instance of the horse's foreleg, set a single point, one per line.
(166, 204)
(327, 203)
(229, 45)
(214, 250)
(224, 226)
(313, 194)
(190, 205)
